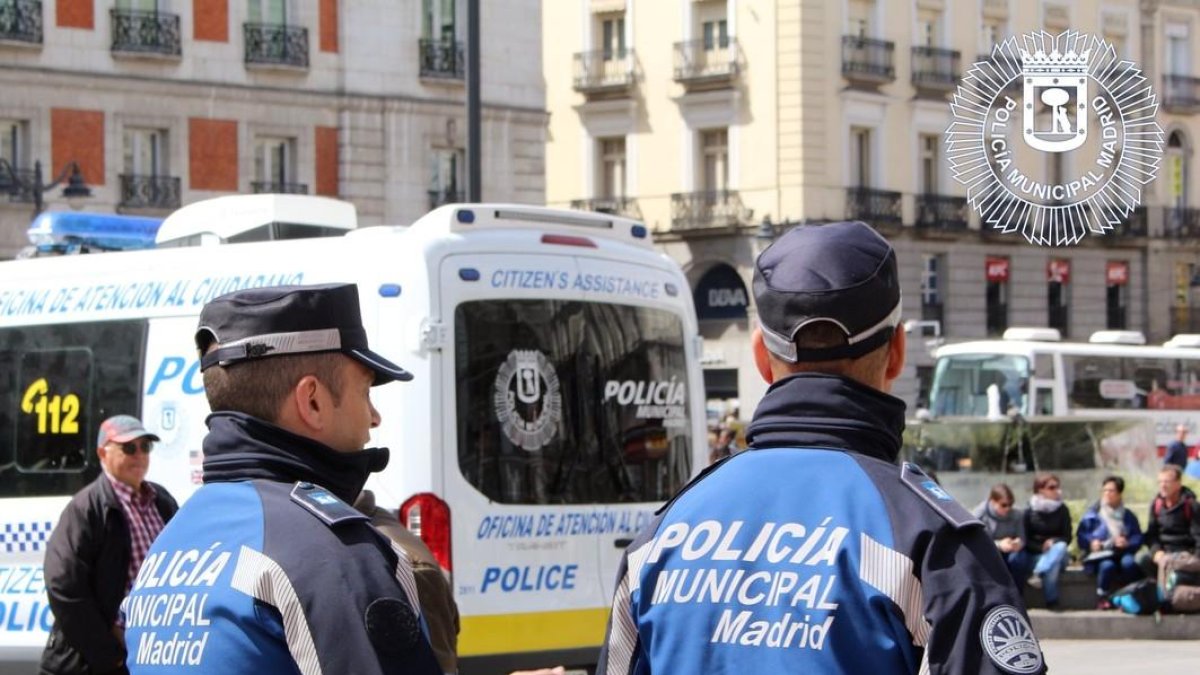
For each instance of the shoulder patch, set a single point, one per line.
(324, 504)
(1009, 642)
(921, 483)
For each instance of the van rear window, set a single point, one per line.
(57, 383)
(563, 402)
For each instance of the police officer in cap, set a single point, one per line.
(267, 568)
(813, 551)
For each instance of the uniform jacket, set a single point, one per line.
(86, 569)
(268, 569)
(1174, 529)
(1092, 528)
(814, 552)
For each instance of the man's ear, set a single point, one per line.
(896, 353)
(762, 359)
(304, 405)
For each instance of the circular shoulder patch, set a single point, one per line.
(1009, 641)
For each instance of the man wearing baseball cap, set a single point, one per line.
(813, 551)
(97, 548)
(293, 579)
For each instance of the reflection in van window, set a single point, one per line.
(960, 384)
(57, 383)
(571, 402)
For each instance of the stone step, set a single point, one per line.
(1076, 590)
(1094, 624)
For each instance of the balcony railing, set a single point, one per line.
(1133, 225)
(876, 207)
(935, 69)
(277, 187)
(1181, 94)
(22, 189)
(604, 72)
(869, 61)
(1185, 320)
(617, 206)
(708, 209)
(700, 63)
(149, 192)
(939, 213)
(442, 197)
(1181, 223)
(442, 59)
(276, 44)
(141, 32)
(21, 21)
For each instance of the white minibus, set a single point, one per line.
(557, 398)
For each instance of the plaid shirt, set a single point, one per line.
(144, 522)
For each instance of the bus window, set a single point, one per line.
(57, 383)
(960, 384)
(571, 402)
(1097, 382)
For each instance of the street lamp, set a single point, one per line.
(10, 178)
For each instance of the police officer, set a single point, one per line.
(267, 568)
(813, 551)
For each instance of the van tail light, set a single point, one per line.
(428, 517)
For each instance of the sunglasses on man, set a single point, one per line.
(134, 446)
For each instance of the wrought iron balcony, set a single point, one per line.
(149, 192)
(21, 21)
(940, 213)
(442, 197)
(442, 59)
(277, 187)
(705, 64)
(1134, 225)
(276, 44)
(617, 206)
(1181, 94)
(875, 207)
(708, 209)
(1181, 223)
(935, 69)
(22, 189)
(867, 61)
(139, 32)
(604, 72)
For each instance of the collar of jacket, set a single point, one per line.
(241, 447)
(828, 411)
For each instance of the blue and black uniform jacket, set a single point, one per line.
(267, 569)
(813, 552)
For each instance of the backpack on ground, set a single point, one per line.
(1179, 574)
(1140, 597)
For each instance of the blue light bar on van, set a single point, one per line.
(468, 274)
(638, 231)
(389, 290)
(465, 216)
(70, 230)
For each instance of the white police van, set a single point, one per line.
(557, 398)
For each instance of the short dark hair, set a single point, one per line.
(1172, 469)
(1001, 491)
(1041, 480)
(258, 388)
(1117, 481)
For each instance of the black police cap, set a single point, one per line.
(276, 320)
(840, 273)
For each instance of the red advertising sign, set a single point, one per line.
(1116, 273)
(1058, 270)
(996, 268)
